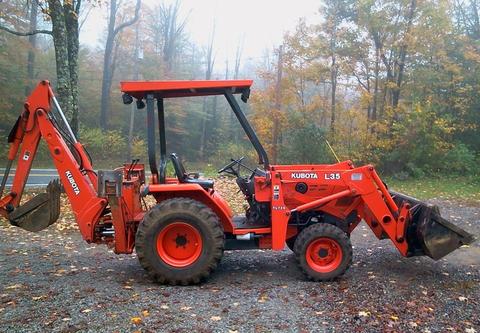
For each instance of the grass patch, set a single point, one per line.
(449, 188)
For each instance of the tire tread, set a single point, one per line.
(321, 230)
(159, 214)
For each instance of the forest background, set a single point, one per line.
(395, 83)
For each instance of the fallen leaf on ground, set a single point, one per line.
(37, 298)
(364, 313)
(13, 286)
(136, 320)
(262, 298)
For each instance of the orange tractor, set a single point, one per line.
(311, 208)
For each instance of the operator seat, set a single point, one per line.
(190, 178)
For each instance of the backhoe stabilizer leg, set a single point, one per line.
(428, 233)
(39, 212)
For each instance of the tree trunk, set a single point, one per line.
(203, 134)
(59, 33)
(278, 98)
(133, 106)
(64, 18)
(375, 89)
(108, 61)
(71, 20)
(403, 54)
(234, 130)
(333, 79)
(32, 39)
(107, 66)
(208, 75)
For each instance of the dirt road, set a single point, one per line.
(53, 281)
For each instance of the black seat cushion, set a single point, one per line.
(190, 178)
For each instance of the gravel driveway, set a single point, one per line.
(53, 281)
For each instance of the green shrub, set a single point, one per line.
(460, 159)
(305, 145)
(107, 148)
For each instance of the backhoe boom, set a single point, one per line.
(36, 122)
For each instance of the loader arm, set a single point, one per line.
(38, 121)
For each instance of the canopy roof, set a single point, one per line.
(168, 89)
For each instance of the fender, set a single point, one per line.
(210, 198)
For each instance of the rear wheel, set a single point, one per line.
(180, 241)
(323, 251)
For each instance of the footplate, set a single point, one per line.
(39, 212)
(428, 233)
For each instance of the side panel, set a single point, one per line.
(280, 213)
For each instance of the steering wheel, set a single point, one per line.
(229, 167)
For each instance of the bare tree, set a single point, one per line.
(236, 73)
(238, 59)
(108, 60)
(210, 61)
(335, 13)
(136, 75)
(400, 65)
(278, 99)
(168, 32)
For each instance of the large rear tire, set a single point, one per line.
(180, 241)
(323, 252)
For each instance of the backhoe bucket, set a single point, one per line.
(428, 233)
(39, 212)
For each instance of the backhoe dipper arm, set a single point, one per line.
(79, 180)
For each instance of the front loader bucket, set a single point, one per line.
(40, 211)
(428, 233)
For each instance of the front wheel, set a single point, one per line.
(323, 251)
(180, 241)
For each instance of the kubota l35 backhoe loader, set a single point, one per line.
(311, 208)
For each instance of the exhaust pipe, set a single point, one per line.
(428, 233)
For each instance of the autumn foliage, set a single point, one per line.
(405, 75)
(394, 83)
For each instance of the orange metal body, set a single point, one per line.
(340, 190)
(337, 189)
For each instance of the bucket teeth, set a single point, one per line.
(39, 212)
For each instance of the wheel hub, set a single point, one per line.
(181, 240)
(324, 255)
(179, 244)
